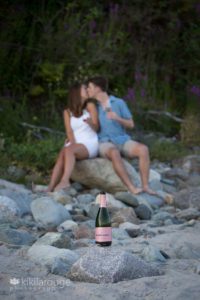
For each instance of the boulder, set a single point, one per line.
(47, 255)
(108, 265)
(151, 253)
(23, 199)
(188, 198)
(190, 164)
(143, 212)
(13, 186)
(99, 173)
(154, 201)
(125, 215)
(9, 210)
(133, 230)
(55, 239)
(127, 198)
(48, 212)
(16, 237)
(68, 225)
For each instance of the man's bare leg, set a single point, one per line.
(141, 151)
(114, 155)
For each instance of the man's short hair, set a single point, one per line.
(100, 82)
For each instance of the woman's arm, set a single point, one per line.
(93, 121)
(68, 129)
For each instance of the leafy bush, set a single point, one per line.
(190, 129)
(40, 155)
(167, 151)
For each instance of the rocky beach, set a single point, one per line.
(47, 246)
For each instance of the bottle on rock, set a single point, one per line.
(103, 231)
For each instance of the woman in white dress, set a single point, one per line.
(81, 125)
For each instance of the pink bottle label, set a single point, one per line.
(103, 234)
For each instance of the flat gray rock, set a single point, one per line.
(108, 265)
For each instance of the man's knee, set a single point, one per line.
(113, 153)
(144, 150)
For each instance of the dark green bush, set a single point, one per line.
(167, 151)
(40, 155)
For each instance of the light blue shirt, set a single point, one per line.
(111, 130)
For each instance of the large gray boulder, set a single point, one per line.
(99, 173)
(48, 212)
(104, 265)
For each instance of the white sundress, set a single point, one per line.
(84, 134)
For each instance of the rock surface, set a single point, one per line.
(169, 240)
(48, 212)
(104, 265)
(99, 173)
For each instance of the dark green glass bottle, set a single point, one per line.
(103, 231)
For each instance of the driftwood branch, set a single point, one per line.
(42, 128)
(164, 113)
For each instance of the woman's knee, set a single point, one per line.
(68, 150)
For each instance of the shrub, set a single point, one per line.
(167, 150)
(40, 155)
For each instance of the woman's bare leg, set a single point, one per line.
(71, 153)
(57, 171)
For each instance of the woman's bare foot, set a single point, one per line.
(149, 191)
(62, 185)
(135, 190)
(49, 190)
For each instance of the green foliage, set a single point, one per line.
(12, 113)
(190, 129)
(167, 150)
(35, 154)
(149, 51)
(36, 90)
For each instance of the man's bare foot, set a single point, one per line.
(135, 190)
(61, 186)
(149, 191)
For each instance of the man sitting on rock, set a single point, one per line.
(114, 118)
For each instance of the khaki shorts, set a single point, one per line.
(125, 149)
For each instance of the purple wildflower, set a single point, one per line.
(130, 96)
(197, 8)
(114, 8)
(195, 90)
(143, 93)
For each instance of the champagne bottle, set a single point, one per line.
(103, 231)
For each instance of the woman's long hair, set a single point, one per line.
(75, 104)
